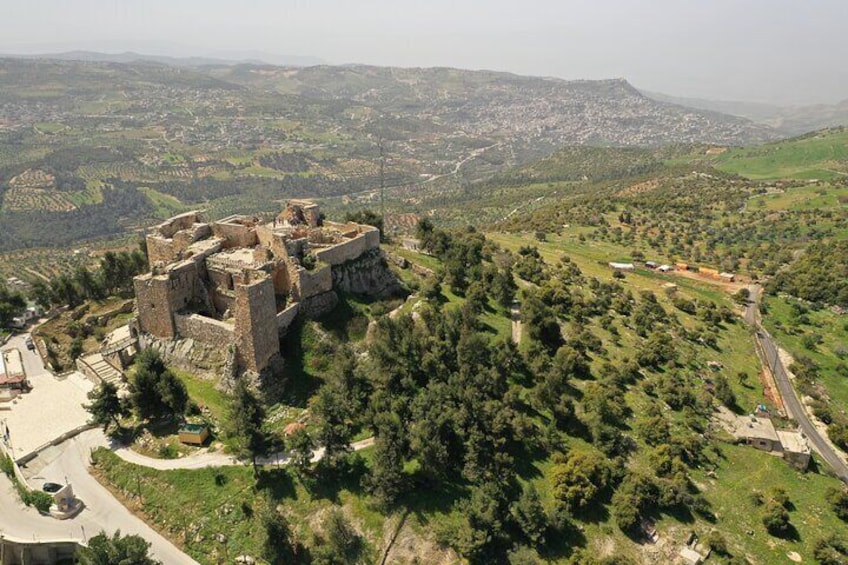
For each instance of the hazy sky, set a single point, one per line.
(785, 51)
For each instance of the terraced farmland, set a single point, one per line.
(22, 199)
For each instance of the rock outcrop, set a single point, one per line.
(367, 275)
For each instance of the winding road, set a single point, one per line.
(69, 463)
(791, 401)
(102, 512)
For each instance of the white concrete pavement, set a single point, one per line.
(52, 408)
(102, 512)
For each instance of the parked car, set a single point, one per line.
(51, 487)
(30, 344)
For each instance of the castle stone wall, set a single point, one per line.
(207, 330)
(286, 317)
(310, 283)
(184, 281)
(153, 299)
(159, 249)
(341, 252)
(318, 305)
(183, 238)
(159, 296)
(180, 222)
(235, 234)
(372, 237)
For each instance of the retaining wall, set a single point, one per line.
(15, 551)
(27, 457)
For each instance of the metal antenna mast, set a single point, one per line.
(382, 182)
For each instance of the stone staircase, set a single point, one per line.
(96, 367)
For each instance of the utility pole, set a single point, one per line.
(382, 183)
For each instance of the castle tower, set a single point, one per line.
(255, 316)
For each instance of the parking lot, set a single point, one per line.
(53, 406)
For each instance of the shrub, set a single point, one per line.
(309, 261)
(838, 434)
(832, 550)
(7, 466)
(168, 451)
(776, 519)
(41, 501)
(838, 499)
(717, 542)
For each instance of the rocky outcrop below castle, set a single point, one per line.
(369, 274)
(192, 355)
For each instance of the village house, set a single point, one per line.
(12, 372)
(757, 430)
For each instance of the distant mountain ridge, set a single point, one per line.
(235, 58)
(531, 109)
(790, 120)
(583, 112)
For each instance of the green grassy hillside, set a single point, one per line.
(819, 155)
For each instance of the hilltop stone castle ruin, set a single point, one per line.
(241, 281)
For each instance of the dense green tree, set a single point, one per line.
(482, 535)
(503, 287)
(173, 393)
(541, 323)
(11, 304)
(121, 550)
(332, 410)
(65, 291)
(87, 283)
(819, 275)
(529, 515)
(717, 543)
(387, 480)
(246, 420)
(75, 349)
(580, 479)
(634, 496)
(301, 449)
(155, 392)
(277, 543)
(106, 406)
(657, 350)
(41, 293)
(832, 550)
(338, 543)
(723, 392)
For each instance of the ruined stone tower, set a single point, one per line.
(255, 317)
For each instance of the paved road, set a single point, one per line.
(790, 398)
(217, 459)
(102, 511)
